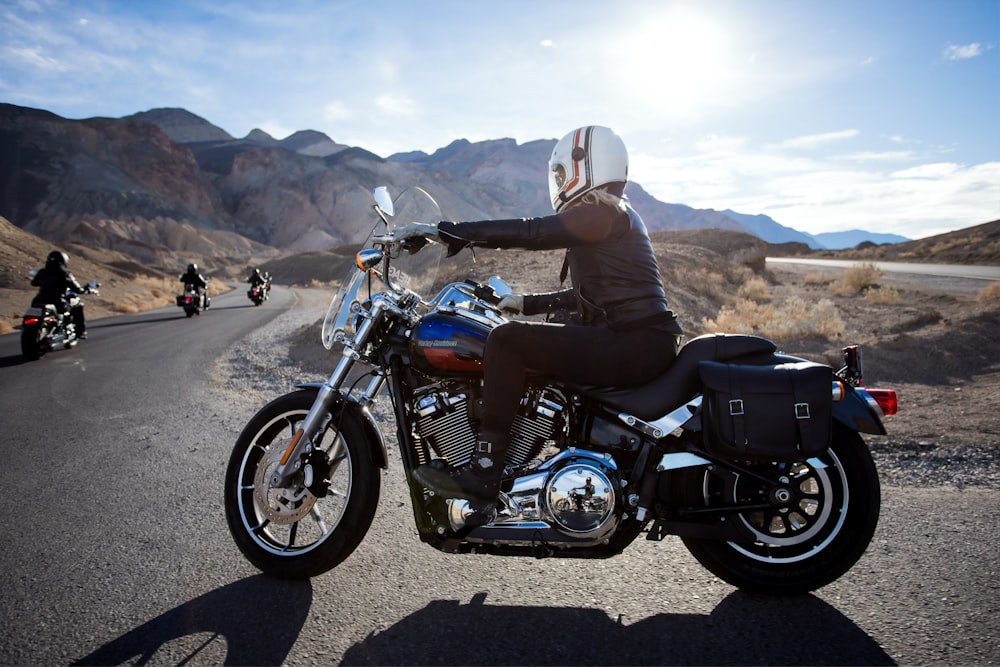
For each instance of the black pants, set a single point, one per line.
(578, 354)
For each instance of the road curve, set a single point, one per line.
(944, 270)
(115, 548)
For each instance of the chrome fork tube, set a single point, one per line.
(319, 414)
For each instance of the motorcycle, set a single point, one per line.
(46, 326)
(259, 293)
(777, 501)
(193, 301)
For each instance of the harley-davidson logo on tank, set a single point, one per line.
(449, 342)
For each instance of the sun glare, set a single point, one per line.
(679, 57)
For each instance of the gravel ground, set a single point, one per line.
(271, 360)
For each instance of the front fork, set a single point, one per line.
(321, 412)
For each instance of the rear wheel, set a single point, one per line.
(821, 517)
(31, 345)
(317, 521)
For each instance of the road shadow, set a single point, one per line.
(12, 360)
(259, 619)
(102, 324)
(742, 630)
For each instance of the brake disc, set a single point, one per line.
(281, 506)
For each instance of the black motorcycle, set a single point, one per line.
(258, 293)
(754, 458)
(194, 301)
(44, 327)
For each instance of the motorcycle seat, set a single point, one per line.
(680, 382)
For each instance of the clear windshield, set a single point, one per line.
(414, 272)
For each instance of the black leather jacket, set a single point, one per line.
(191, 278)
(615, 276)
(52, 283)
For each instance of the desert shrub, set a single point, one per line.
(989, 293)
(856, 278)
(794, 319)
(819, 279)
(5, 327)
(882, 296)
(754, 288)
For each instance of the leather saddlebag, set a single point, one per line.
(773, 413)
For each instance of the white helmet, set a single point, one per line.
(584, 159)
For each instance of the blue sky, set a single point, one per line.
(826, 115)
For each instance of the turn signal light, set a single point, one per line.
(838, 391)
(886, 399)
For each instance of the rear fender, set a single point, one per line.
(859, 412)
(352, 410)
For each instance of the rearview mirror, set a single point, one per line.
(383, 200)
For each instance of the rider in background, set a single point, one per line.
(622, 332)
(53, 282)
(256, 278)
(196, 280)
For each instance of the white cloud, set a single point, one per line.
(934, 171)
(35, 58)
(953, 52)
(395, 105)
(337, 111)
(816, 140)
(548, 43)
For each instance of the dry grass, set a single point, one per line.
(755, 288)
(817, 279)
(989, 293)
(856, 278)
(794, 319)
(5, 327)
(882, 296)
(147, 293)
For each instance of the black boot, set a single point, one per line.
(477, 481)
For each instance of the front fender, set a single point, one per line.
(380, 455)
(859, 411)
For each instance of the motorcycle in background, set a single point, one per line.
(192, 301)
(45, 327)
(753, 457)
(259, 293)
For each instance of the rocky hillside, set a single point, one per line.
(979, 244)
(165, 186)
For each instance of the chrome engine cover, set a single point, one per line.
(571, 500)
(580, 498)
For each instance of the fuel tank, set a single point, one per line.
(450, 343)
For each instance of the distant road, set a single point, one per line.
(945, 270)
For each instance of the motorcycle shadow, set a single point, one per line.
(742, 630)
(254, 621)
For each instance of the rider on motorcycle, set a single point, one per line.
(53, 281)
(623, 332)
(195, 279)
(256, 278)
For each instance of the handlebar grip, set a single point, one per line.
(414, 244)
(486, 293)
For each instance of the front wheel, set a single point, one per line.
(317, 521)
(824, 522)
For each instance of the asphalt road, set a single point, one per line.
(116, 551)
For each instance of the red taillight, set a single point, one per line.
(31, 320)
(886, 399)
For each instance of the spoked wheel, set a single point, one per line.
(821, 515)
(314, 524)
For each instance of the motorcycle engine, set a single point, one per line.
(565, 498)
(443, 422)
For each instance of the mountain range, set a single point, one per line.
(165, 186)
